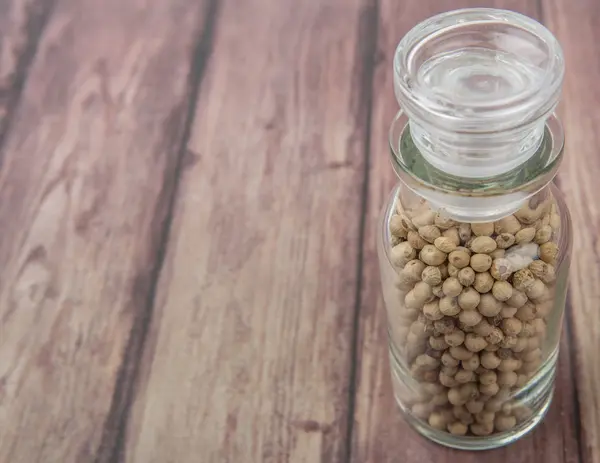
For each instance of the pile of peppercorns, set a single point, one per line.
(471, 318)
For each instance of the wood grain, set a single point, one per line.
(576, 26)
(21, 24)
(87, 175)
(380, 434)
(248, 355)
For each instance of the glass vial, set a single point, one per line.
(475, 240)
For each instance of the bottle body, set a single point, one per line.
(474, 314)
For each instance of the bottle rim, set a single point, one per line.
(452, 112)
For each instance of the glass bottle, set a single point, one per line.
(475, 241)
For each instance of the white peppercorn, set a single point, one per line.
(432, 255)
(517, 299)
(489, 360)
(461, 413)
(505, 240)
(508, 342)
(482, 429)
(425, 218)
(443, 270)
(481, 262)
(526, 312)
(459, 258)
(508, 224)
(483, 282)
(445, 244)
(489, 389)
(445, 326)
(457, 428)
(452, 287)
(406, 222)
(415, 240)
(555, 221)
(468, 299)
(471, 364)
(464, 376)
(449, 306)
(526, 215)
(397, 227)
(495, 337)
(525, 235)
(488, 305)
(540, 326)
(426, 362)
(502, 290)
(443, 222)
(497, 254)
(437, 421)
(501, 269)
(549, 252)
(503, 422)
(543, 271)
(437, 342)
(412, 270)
(460, 353)
(438, 291)
(439, 399)
(474, 406)
(520, 345)
(483, 245)
(474, 342)
(466, 276)
(543, 235)
(483, 328)
(464, 232)
(508, 311)
(523, 279)
(447, 380)
(450, 371)
(537, 290)
(455, 396)
(509, 364)
(431, 275)
(452, 234)
(448, 360)
(489, 377)
(452, 271)
(504, 354)
(401, 254)
(482, 229)
(455, 338)
(469, 318)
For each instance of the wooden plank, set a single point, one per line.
(575, 25)
(21, 23)
(248, 356)
(87, 177)
(380, 434)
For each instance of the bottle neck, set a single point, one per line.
(476, 155)
(475, 198)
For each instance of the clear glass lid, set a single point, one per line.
(477, 86)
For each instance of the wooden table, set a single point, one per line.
(188, 197)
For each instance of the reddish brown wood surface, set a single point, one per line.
(576, 26)
(188, 199)
(249, 351)
(86, 179)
